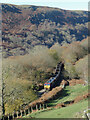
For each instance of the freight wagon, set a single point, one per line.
(51, 83)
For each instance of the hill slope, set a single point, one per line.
(63, 105)
(22, 75)
(27, 26)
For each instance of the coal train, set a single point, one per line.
(51, 83)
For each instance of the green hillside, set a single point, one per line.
(75, 110)
(72, 111)
(69, 94)
(23, 74)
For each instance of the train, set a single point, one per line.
(52, 82)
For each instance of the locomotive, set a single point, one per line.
(51, 83)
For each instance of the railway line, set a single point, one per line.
(53, 81)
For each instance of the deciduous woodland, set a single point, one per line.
(28, 26)
(23, 74)
(34, 40)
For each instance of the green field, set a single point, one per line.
(71, 111)
(65, 112)
(69, 93)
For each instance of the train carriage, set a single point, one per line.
(51, 83)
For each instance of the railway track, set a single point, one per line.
(54, 79)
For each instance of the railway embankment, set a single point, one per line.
(47, 96)
(72, 96)
(54, 93)
(69, 95)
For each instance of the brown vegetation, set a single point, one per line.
(27, 30)
(28, 26)
(77, 99)
(30, 70)
(47, 96)
(76, 81)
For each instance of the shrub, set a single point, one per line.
(82, 68)
(70, 71)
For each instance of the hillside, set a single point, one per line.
(27, 26)
(70, 99)
(35, 39)
(22, 75)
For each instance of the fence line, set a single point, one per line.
(21, 113)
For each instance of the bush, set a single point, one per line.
(73, 52)
(70, 71)
(82, 68)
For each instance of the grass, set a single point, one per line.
(71, 111)
(66, 112)
(69, 93)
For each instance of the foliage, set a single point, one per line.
(54, 54)
(82, 68)
(70, 71)
(42, 26)
(23, 74)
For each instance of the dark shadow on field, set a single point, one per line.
(59, 96)
(69, 102)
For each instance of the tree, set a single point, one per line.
(81, 67)
(70, 71)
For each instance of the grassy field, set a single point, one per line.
(71, 111)
(66, 112)
(69, 93)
